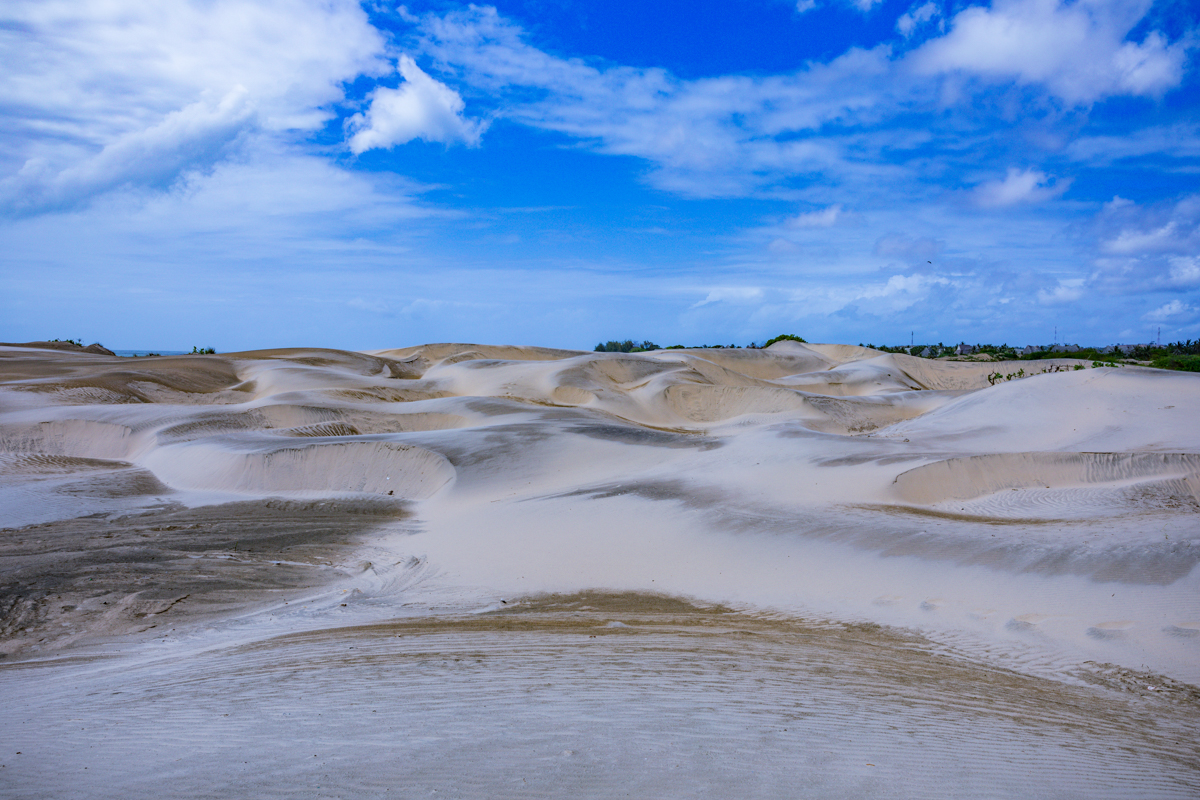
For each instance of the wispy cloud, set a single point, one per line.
(1171, 310)
(825, 218)
(100, 94)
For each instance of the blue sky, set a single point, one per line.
(255, 173)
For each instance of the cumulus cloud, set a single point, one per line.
(915, 17)
(1018, 186)
(1076, 50)
(420, 108)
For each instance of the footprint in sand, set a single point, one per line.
(888, 599)
(932, 604)
(1184, 629)
(1027, 622)
(1109, 630)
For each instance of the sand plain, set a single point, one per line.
(494, 571)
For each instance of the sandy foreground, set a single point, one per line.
(483, 571)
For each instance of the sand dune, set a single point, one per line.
(834, 504)
(966, 478)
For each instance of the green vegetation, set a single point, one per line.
(791, 337)
(996, 377)
(76, 342)
(627, 346)
(1185, 362)
(1182, 355)
(202, 351)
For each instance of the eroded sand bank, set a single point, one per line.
(813, 570)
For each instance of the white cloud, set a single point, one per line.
(1180, 141)
(1148, 248)
(1067, 291)
(804, 6)
(1076, 50)
(731, 294)
(152, 156)
(1158, 240)
(895, 245)
(915, 17)
(711, 137)
(825, 218)
(1185, 271)
(1175, 308)
(1018, 186)
(421, 108)
(911, 285)
(1130, 230)
(106, 93)
(370, 306)
(855, 118)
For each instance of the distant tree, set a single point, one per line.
(627, 346)
(202, 351)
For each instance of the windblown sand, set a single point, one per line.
(478, 571)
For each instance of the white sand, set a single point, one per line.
(1028, 548)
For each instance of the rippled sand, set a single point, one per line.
(477, 571)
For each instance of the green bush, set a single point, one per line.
(1178, 361)
(202, 351)
(791, 337)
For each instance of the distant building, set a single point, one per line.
(928, 352)
(1126, 348)
(1065, 348)
(964, 350)
(1029, 350)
